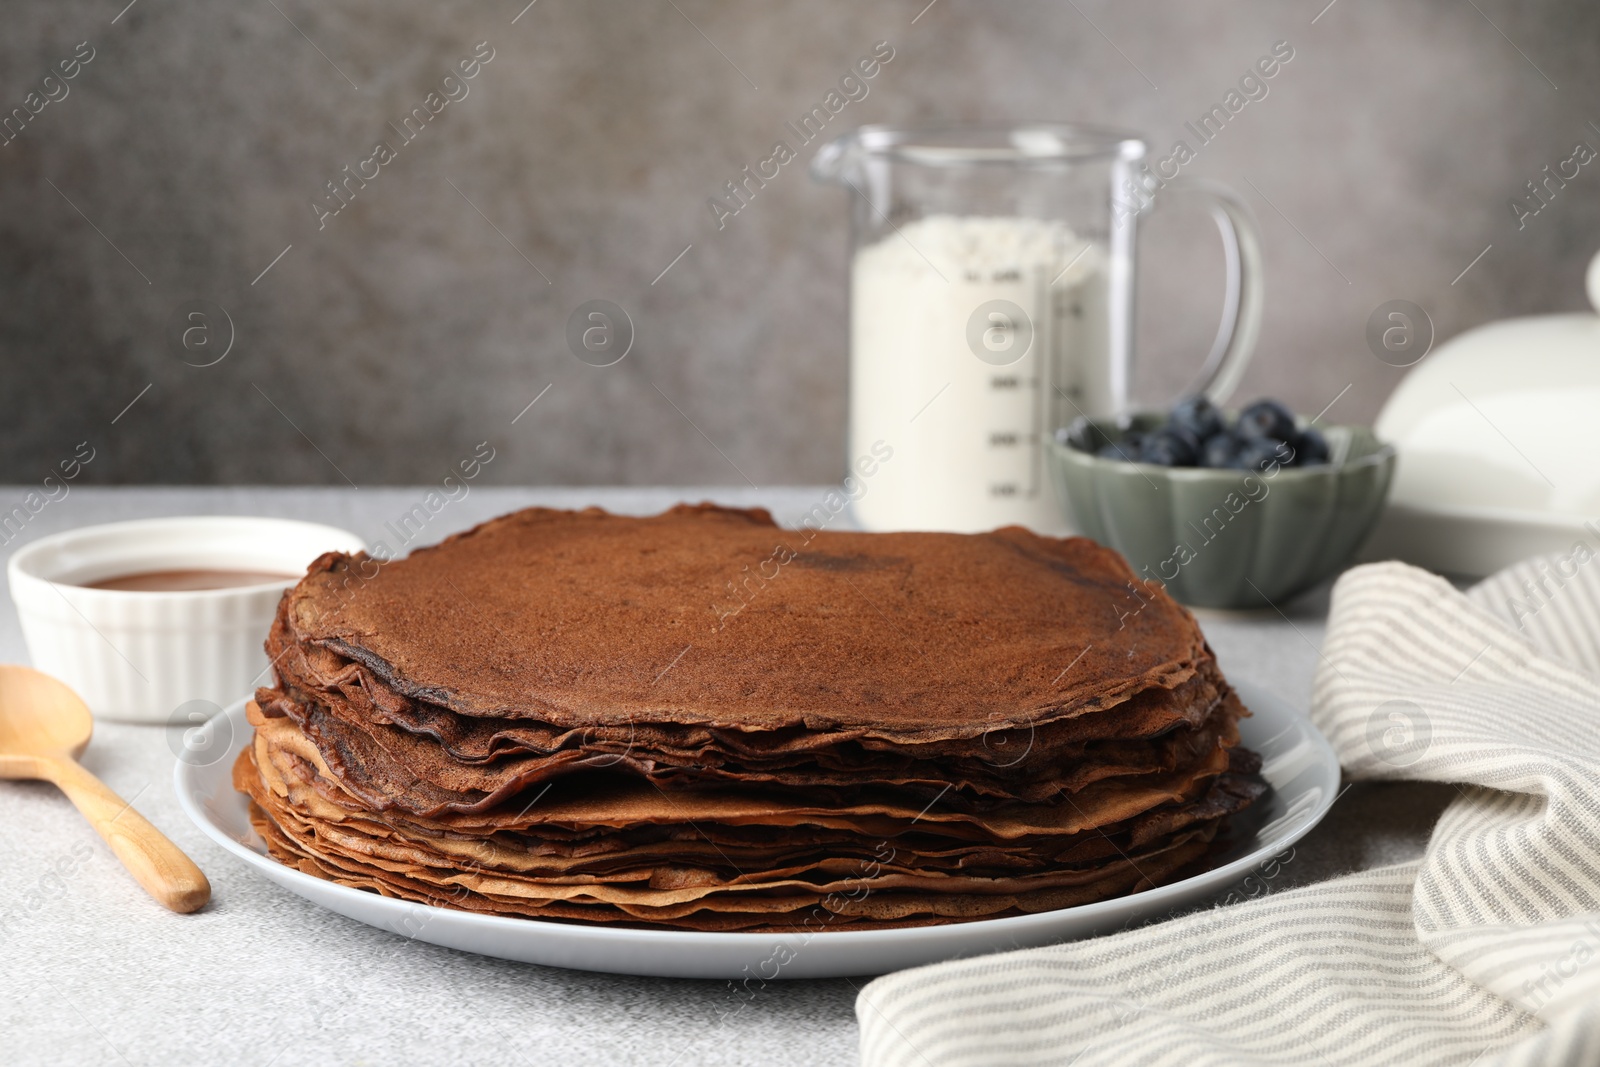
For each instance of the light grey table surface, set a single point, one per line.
(92, 971)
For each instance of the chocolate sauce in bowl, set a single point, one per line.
(186, 581)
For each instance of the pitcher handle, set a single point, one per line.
(1241, 302)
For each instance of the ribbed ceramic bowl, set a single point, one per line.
(143, 656)
(1225, 538)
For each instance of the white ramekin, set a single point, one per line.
(138, 656)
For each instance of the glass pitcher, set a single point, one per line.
(992, 301)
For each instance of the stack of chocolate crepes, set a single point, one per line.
(702, 720)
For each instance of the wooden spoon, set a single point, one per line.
(44, 727)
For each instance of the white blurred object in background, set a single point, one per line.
(1498, 456)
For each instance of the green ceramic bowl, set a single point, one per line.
(1225, 538)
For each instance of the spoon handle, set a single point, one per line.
(154, 861)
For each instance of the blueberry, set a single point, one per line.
(1127, 448)
(1171, 446)
(1259, 453)
(1197, 415)
(1311, 447)
(1266, 418)
(1220, 450)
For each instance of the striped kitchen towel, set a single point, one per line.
(1484, 953)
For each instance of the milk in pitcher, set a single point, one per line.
(971, 339)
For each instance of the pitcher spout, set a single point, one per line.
(837, 161)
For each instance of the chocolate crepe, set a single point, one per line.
(586, 717)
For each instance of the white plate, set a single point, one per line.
(1303, 771)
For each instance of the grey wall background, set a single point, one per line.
(383, 347)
